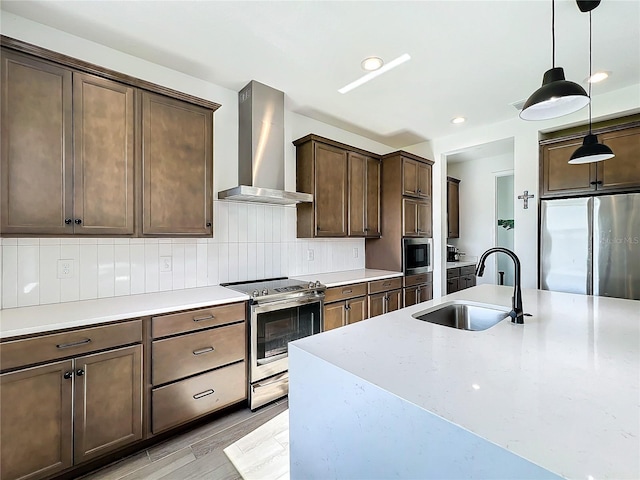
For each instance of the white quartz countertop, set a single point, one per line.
(561, 391)
(336, 279)
(463, 263)
(45, 318)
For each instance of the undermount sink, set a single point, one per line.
(464, 315)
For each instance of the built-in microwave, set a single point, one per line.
(417, 255)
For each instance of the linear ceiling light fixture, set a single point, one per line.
(371, 75)
(591, 150)
(557, 96)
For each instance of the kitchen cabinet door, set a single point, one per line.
(108, 401)
(36, 421)
(425, 292)
(562, 178)
(377, 304)
(177, 165)
(453, 285)
(453, 207)
(372, 225)
(416, 218)
(334, 315)
(330, 191)
(37, 146)
(416, 178)
(356, 310)
(357, 194)
(424, 222)
(394, 300)
(103, 117)
(410, 296)
(622, 172)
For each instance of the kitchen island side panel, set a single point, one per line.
(341, 426)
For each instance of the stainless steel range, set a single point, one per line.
(280, 311)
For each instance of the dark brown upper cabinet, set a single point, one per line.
(364, 196)
(416, 178)
(100, 153)
(177, 167)
(68, 151)
(619, 174)
(345, 184)
(453, 207)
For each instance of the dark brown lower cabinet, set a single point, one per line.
(342, 313)
(459, 278)
(418, 288)
(385, 302)
(63, 413)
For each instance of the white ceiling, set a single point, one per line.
(469, 58)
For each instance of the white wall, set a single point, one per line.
(478, 206)
(250, 241)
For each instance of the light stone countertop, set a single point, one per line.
(57, 316)
(561, 391)
(336, 279)
(460, 264)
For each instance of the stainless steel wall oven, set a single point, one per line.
(417, 255)
(280, 311)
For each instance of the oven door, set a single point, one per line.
(417, 255)
(274, 325)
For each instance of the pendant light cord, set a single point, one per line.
(553, 33)
(590, 74)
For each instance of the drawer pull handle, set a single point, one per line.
(203, 394)
(73, 344)
(203, 318)
(347, 291)
(386, 284)
(203, 350)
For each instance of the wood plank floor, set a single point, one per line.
(196, 454)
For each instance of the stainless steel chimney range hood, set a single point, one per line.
(261, 148)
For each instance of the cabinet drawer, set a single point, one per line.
(186, 355)
(468, 270)
(453, 272)
(385, 285)
(185, 400)
(334, 294)
(182, 322)
(411, 280)
(59, 345)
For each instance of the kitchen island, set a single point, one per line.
(397, 397)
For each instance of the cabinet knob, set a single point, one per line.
(78, 221)
(67, 375)
(599, 182)
(80, 372)
(419, 190)
(208, 224)
(67, 221)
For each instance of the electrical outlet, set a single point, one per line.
(310, 254)
(165, 264)
(355, 252)
(65, 268)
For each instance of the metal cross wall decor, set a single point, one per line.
(525, 196)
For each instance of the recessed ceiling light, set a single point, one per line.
(598, 77)
(371, 75)
(458, 120)
(372, 63)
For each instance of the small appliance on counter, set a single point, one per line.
(453, 254)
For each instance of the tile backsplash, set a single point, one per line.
(252, 241)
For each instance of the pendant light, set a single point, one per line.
(591, 150)
(557, 96)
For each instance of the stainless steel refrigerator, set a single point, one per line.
(591, 245)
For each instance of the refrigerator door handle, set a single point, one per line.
(590, 247)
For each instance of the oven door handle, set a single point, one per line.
(268, 360)
(287, 303)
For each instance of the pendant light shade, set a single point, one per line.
(557, 96)
(591, 151)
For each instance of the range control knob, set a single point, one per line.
(318, 284)
(265, 291)
(311, 284)
(255, 293)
